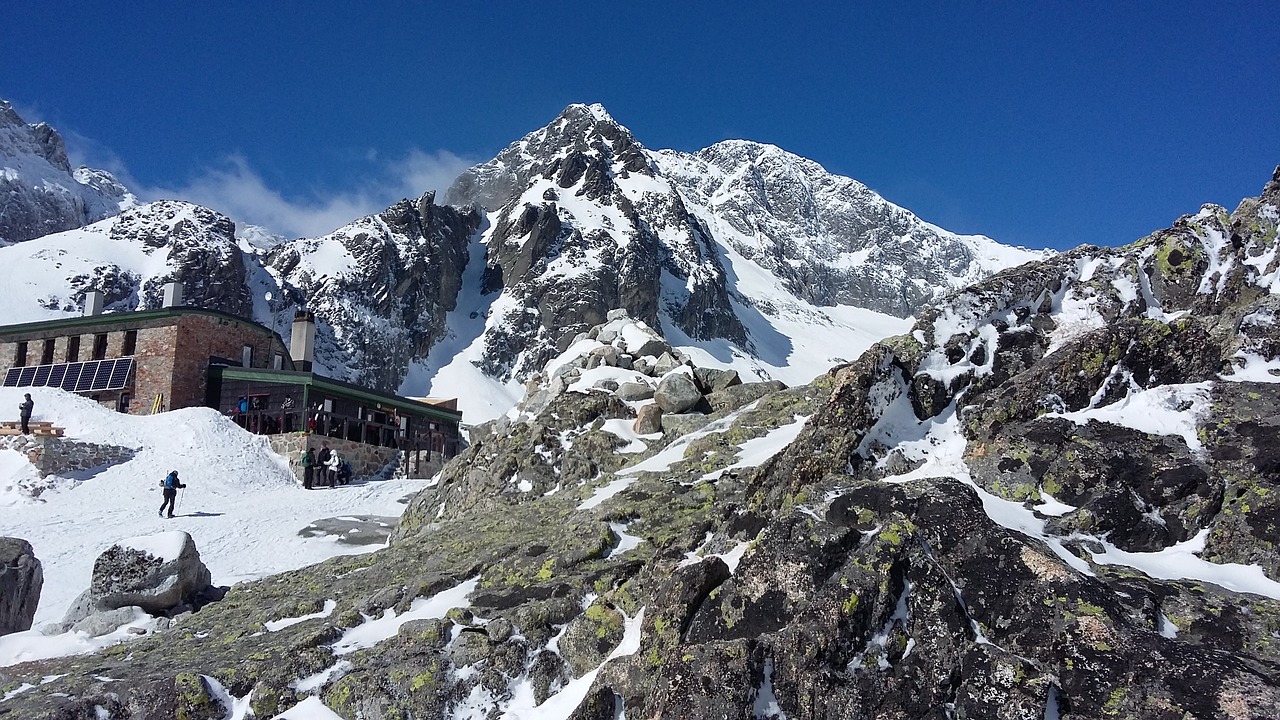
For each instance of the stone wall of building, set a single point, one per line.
(60, 456)
(367, 461)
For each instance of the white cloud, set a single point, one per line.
(238, 191)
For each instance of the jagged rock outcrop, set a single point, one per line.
(380, 287)
(581, 222)
(21, 577)
(39, 192)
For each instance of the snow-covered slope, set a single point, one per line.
(39, 192)
(242, 506)
(129, 258)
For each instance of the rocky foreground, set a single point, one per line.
(1056, 497)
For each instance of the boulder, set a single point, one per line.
(21, 577)
(106, 621)
(732, 398)
(712, 380)
(154, 572)
(633, 391)
(677, 393)
(607, 336)
(648, 420)
(643, 364)
(654, 345)
(665, 364)
(615, 314)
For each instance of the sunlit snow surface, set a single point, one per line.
(242, 506)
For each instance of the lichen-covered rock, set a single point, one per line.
(21, 578)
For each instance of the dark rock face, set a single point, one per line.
(384, 303)
(21, 577)
(45, 195)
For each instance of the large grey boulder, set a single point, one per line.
(158, 573)
(21, 577)
(677, 393)
(713, 380)
(734, 397)
(632, 391)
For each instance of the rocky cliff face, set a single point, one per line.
(831, 239)
(380, 286)
(39, 192)
(582, 223)
(1055, 497)
(130, 258)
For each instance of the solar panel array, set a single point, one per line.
(89, 376)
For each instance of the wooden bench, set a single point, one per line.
(42, 428)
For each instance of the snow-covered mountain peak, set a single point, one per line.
(41, 193)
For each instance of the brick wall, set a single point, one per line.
(171, 354)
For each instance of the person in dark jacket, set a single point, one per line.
(322, 462)
(308, 468)
(24, 413)
(171, 484)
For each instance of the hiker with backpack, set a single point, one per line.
(335, 462)
(171, 483)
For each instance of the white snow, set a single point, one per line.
(282, 623)
(626, 541)
(242, 506)
(32, 645)
(560, 705)
(623, 428)
(766, 704)
(756, 451)
(373, 631)
(310, 709)
(166, 546)
(1155, 411)
(1252, 367)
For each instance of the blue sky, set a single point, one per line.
(1041, 124)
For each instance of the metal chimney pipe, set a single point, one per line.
(302, 346)
(172, 294)
(93, 303)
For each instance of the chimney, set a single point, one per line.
(172, 294)
(302, 346)
(93, 303)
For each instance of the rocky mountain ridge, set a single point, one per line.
(1056, 496)
(538, 245)
(41, 193)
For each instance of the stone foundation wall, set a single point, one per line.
(59, 456)
(366, 460)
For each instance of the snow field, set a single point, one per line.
(242, 506)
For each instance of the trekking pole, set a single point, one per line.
(179, 503)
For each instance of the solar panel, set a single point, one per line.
(88, 376)
(85, 381)
(119, 377)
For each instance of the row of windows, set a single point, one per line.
(22, 354)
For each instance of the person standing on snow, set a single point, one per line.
(323, 459)
(24, 413)
(171, 484)
(308, 468)
(334, 463)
